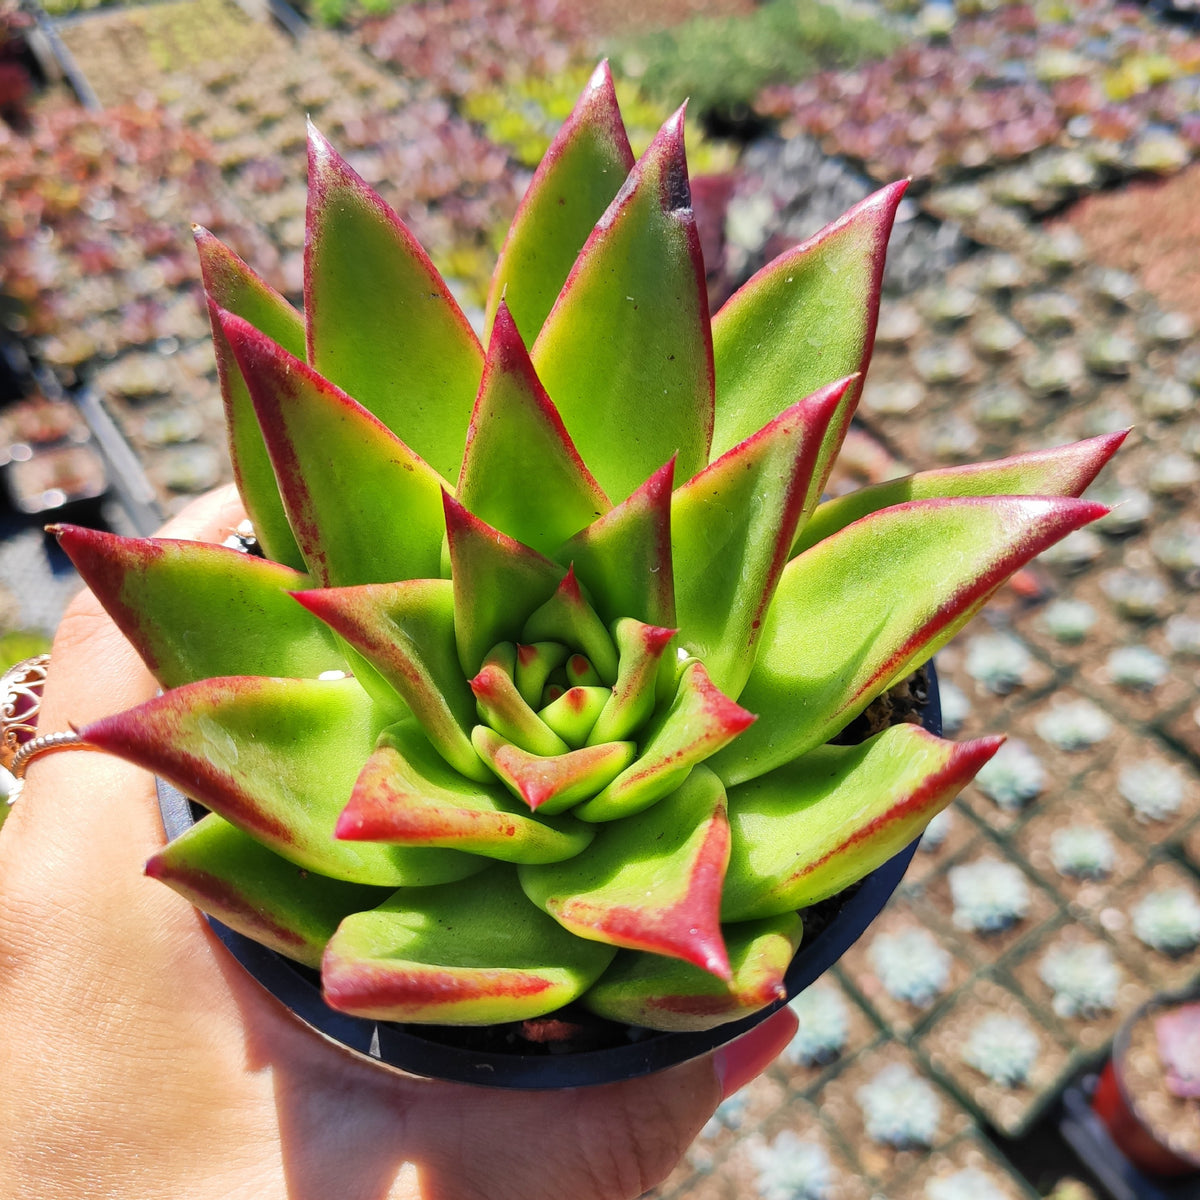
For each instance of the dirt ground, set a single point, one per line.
(1152, 229)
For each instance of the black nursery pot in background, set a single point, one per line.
(596, 1051)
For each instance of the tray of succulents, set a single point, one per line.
(560, 705)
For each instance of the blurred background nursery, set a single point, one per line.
(1043, 285)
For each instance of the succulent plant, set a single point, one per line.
(1003, 1048)
(1153, 789)
(1000, 405)
(1183, 634)
(996, 336)
(1167, 398)
(1168, 919)
(900, 1108)
(1068, 620)
(989, 895)
(1135, 594)
(1075, 552)
(824, 1025)
(912, 966)
(943, 362)
(970, 1183)
(529, 700)
(1073, 724)
(1083, 977)
(956, 707)
(1082, 852)
(939, 828)
(1014, 776)
(1137, 668)
(789, 1168)
(998, 661)
(1110, 353)
(1054, 372)
(1172, 475)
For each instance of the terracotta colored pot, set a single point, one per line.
(1113, 1105)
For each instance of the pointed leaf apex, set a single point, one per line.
(570, 586)
(667, 151)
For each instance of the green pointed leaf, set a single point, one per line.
(631, 701)
(651, 883)
(504, 708)
(498, 582)
(862, 609)
(568, 618)
(406, 633)
(343, 476)
(1060, 471)
(535, 661)
(458, 956)
(552, 785)
(808, 830)
(626, 352)
(244, 885)
(699, 722)
(553, 495)
(731, 529)
(573, 715)
(278, 759)
(624, 558)
(232, 287)
(406, 795)
(803, 321)
(575, 182)
(663, 993)
(382, 325)
(194, 610)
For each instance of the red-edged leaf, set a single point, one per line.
(504, 708)
(651, 883)
(731, 529)
(569, 619)
(407, 795)
(233, 287)
(535, 661)
(663, 993)
(277, 758)
(458, 956)
(1060, 471)
(552, 785)
(808, 830)
(194, 610)
(631, 701)
(573, 714)
(626, 352)
(574, 183)
(700, 721)
(406, 632)
(803, 321)
(553, 495)
(624, 558)
(863, 608)
(247, 887)
(364, 507)
(382, 325)
(498, 582)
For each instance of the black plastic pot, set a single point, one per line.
(423, 1050)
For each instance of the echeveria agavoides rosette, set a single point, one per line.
(529, 701)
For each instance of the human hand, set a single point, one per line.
(141, 1063)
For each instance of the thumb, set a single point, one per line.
(596, 1143)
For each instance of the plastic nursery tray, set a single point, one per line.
(422, 1050)
(1085, 1133)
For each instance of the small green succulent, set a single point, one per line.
(1003, 1048)
(530, 699)
(1168, 920)
(900, 1108)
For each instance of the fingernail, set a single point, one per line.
(747, 1058)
